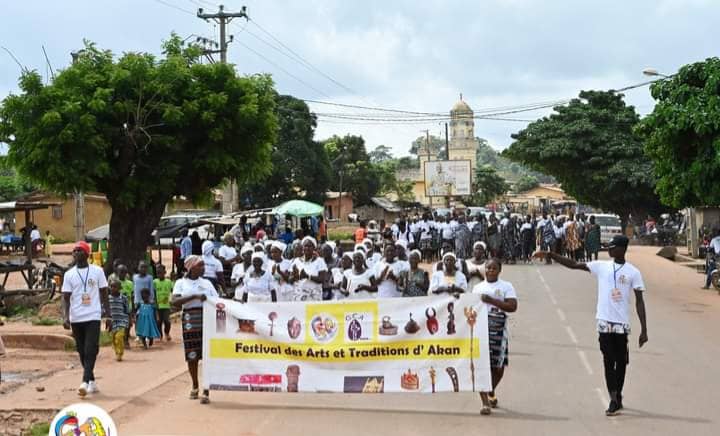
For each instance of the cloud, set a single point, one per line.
(411, 55)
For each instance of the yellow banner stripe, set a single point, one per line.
(446, 349)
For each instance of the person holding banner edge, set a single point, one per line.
(189, 293)
(501, 298)
(616, 278)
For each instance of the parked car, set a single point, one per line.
(166, 223)
(609, 227)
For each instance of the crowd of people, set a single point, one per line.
(509, 237)
(266, 269)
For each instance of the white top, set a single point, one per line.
(283, 266)
(311, 268)
(238, 272)
(499, 290)
(505, 221)
(407, 236)
(370, 261)
(186, 287)
(83, 285)
(256, 284)
(212, 267)
(388, 288)
(526, 226)
(715, 244)
(425, 227)
(615, 285)
(35, 235)
(227, 253)
(439, 279)
(447, 230)
(354, 280)
(471, 268)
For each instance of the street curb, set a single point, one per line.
(38, 341)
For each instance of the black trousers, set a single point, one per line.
(87, 341)
(614, 348)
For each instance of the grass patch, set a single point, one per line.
(334, 236)
(21, 312)
(38, 429)
(46, 321)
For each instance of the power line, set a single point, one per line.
(170, 5)
(303, 60)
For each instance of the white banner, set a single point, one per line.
(426, 344)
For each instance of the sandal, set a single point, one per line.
(194, 394)
(485, 410)
(493, 401)
(205, 399)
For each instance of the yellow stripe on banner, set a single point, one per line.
(350, 352)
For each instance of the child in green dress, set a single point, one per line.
(163, 292)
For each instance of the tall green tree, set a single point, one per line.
(437, 146)
(381, 153)
(350, 162)
(300, 164)
(487, 186)
(140, 129)
(682, 135)
(590, 147)
(12, 185)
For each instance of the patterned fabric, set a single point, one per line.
(414, 282)
(592, 239)
(572, 241)
(498, 338)
(612, 327)
(192, 327)
(119, 312)
(463, 241)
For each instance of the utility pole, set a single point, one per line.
(79, 196)
(427, 150)
(231, 198)
(447, 154)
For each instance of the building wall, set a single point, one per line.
(60, 220)
(543, 192)
(332, 207)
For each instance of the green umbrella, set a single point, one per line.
(299, 208)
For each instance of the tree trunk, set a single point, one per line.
(131, 232)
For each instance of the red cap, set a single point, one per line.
(82, 245)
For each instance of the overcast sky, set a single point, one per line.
(410, 55)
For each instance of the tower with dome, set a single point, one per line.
(463, 144)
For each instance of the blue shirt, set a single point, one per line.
(185, 247)
(140, 283)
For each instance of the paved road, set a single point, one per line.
(554, 384)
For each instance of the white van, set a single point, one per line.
(609, 227)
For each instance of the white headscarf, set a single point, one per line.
(279, 245)
(207, 248)
(449, 254)
(311, 239)
(480, 243)
(247, 248)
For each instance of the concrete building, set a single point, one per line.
(539, 198)
(336, 206)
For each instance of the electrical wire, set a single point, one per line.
(176, 7)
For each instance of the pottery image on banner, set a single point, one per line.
(387, 328)
(412, 327)
(293, 377)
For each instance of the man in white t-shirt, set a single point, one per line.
(617, 280)
(85, 291)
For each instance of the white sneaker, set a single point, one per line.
(92, 387)
(83, 389)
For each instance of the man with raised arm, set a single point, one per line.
(617, 280)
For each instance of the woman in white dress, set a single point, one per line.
(338, 274)
(241, 267)
(450, 280)
(258, 286)
(280, 268)
(475, 266)
(359, 281)
(308, 272)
